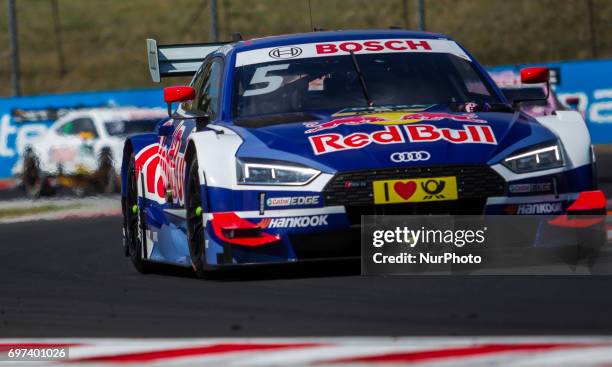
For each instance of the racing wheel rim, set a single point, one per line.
(134, 220)
(195, 222)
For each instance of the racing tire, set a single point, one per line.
(195, 222)
(135, 224)
(34, 182)
(107, 179)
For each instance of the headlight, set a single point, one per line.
(536, 159)
(264, 172)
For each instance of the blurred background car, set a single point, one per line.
(80, 150)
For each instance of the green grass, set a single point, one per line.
(104, 39)
(20, 212)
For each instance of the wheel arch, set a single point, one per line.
(215, 151)
(133, 144)
(571, 129)
(191, 154)
(125, 161)
(216, 154)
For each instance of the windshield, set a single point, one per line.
(328, 83)
(129, 127)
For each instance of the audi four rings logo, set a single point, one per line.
(421, 155)
(288, 52)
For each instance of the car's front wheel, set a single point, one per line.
(195, 220)
(34, 182)
(105, 178)
(135, 224)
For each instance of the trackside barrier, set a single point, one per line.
(23, 118)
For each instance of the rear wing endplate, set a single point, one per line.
(177, 60)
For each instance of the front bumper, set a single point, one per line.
(286, 226)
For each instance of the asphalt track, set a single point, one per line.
(68, 279)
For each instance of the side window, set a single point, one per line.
(83, 127)
(202, 74)
(472, 81)
(66, 128)
(208, 93)
(199, 80)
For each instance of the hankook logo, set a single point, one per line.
(421, 155)
(287, 52)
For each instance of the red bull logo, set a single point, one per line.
(352, 120)
(437, 116)
(164, 168)
(391, 119)
(418, 133)
(147, 162)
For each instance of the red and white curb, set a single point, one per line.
(337, 352)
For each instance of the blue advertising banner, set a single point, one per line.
(24, 118)
(591, 83)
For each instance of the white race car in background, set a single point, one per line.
(80, 150)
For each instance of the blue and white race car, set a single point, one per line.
(280, 144)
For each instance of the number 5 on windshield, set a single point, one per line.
(261, 76)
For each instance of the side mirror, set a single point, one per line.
(534, 75)
(178, 94)
(165, 130)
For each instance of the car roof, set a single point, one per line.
(328, 36)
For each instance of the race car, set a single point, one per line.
(82, 150)
(280, 144)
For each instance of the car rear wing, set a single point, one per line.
(177, 60)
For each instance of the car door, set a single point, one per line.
(207, 83)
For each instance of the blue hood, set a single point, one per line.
(355, 142)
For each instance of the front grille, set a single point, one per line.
(474, 185)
